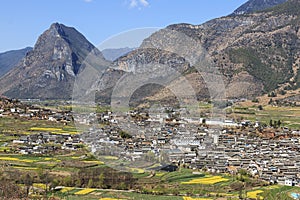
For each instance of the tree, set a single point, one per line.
(28, 181)
(279, 123)
(10, 190)
(272, 94)
(90, 183)
(125, 135)
(101, 180)
(275, 124)
(271, 101)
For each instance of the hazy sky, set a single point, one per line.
(22, 21)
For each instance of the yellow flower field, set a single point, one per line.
(16, 159)
(160, 174)
(273, 187)
(85, 191)
(190, 198)
(94, 162)
(67, 189)
(109, 199)
(137, 170)
(40, 185)
(9, 159)
(45, 129)
(253, 194)
(62, 132)
(53, 130)
(207, 180)
(110, 157)
(27, 160)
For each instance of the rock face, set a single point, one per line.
(257, 5)
(49, 70)
(9, 59)
(255, 53)
(247, 54)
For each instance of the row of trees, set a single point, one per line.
(104, 177)
(275, 124)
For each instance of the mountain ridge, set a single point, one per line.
(11, 58)
(49, 70)
(255, 53)
(257, 5)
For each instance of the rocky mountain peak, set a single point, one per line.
(49, 70)
(58, 27)
(257, 5)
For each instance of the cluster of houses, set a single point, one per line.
(45, 142)
(41, 142)
(207, 146)
(10, 107)
(218, 146)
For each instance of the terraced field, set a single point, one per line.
(289, 116)
(206, 180)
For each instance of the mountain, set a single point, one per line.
(113, 54)
(254, 54)
(10, 58)
(242, 55)
(257, 5)
(49, 70)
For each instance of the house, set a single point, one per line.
(290, 182)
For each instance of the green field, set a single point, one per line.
(289, 116)
(65, 165)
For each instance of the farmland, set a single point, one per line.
(65, 166)
(289, 116)
(78, 174)
(207, 180)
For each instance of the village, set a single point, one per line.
(268, 153)
(39, 141)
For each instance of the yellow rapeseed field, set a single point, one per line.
(190, 198)
(45, 129)
(137, 170)
(67, 189)
(40, 185)
(85, 191)
(16, 159)
(9, 159)
(94, 162)
(273, 187)
(206, 180)
(109, 199)
(253, 194)
(110, 157)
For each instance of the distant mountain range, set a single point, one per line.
(9, 59)
(255, 53)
